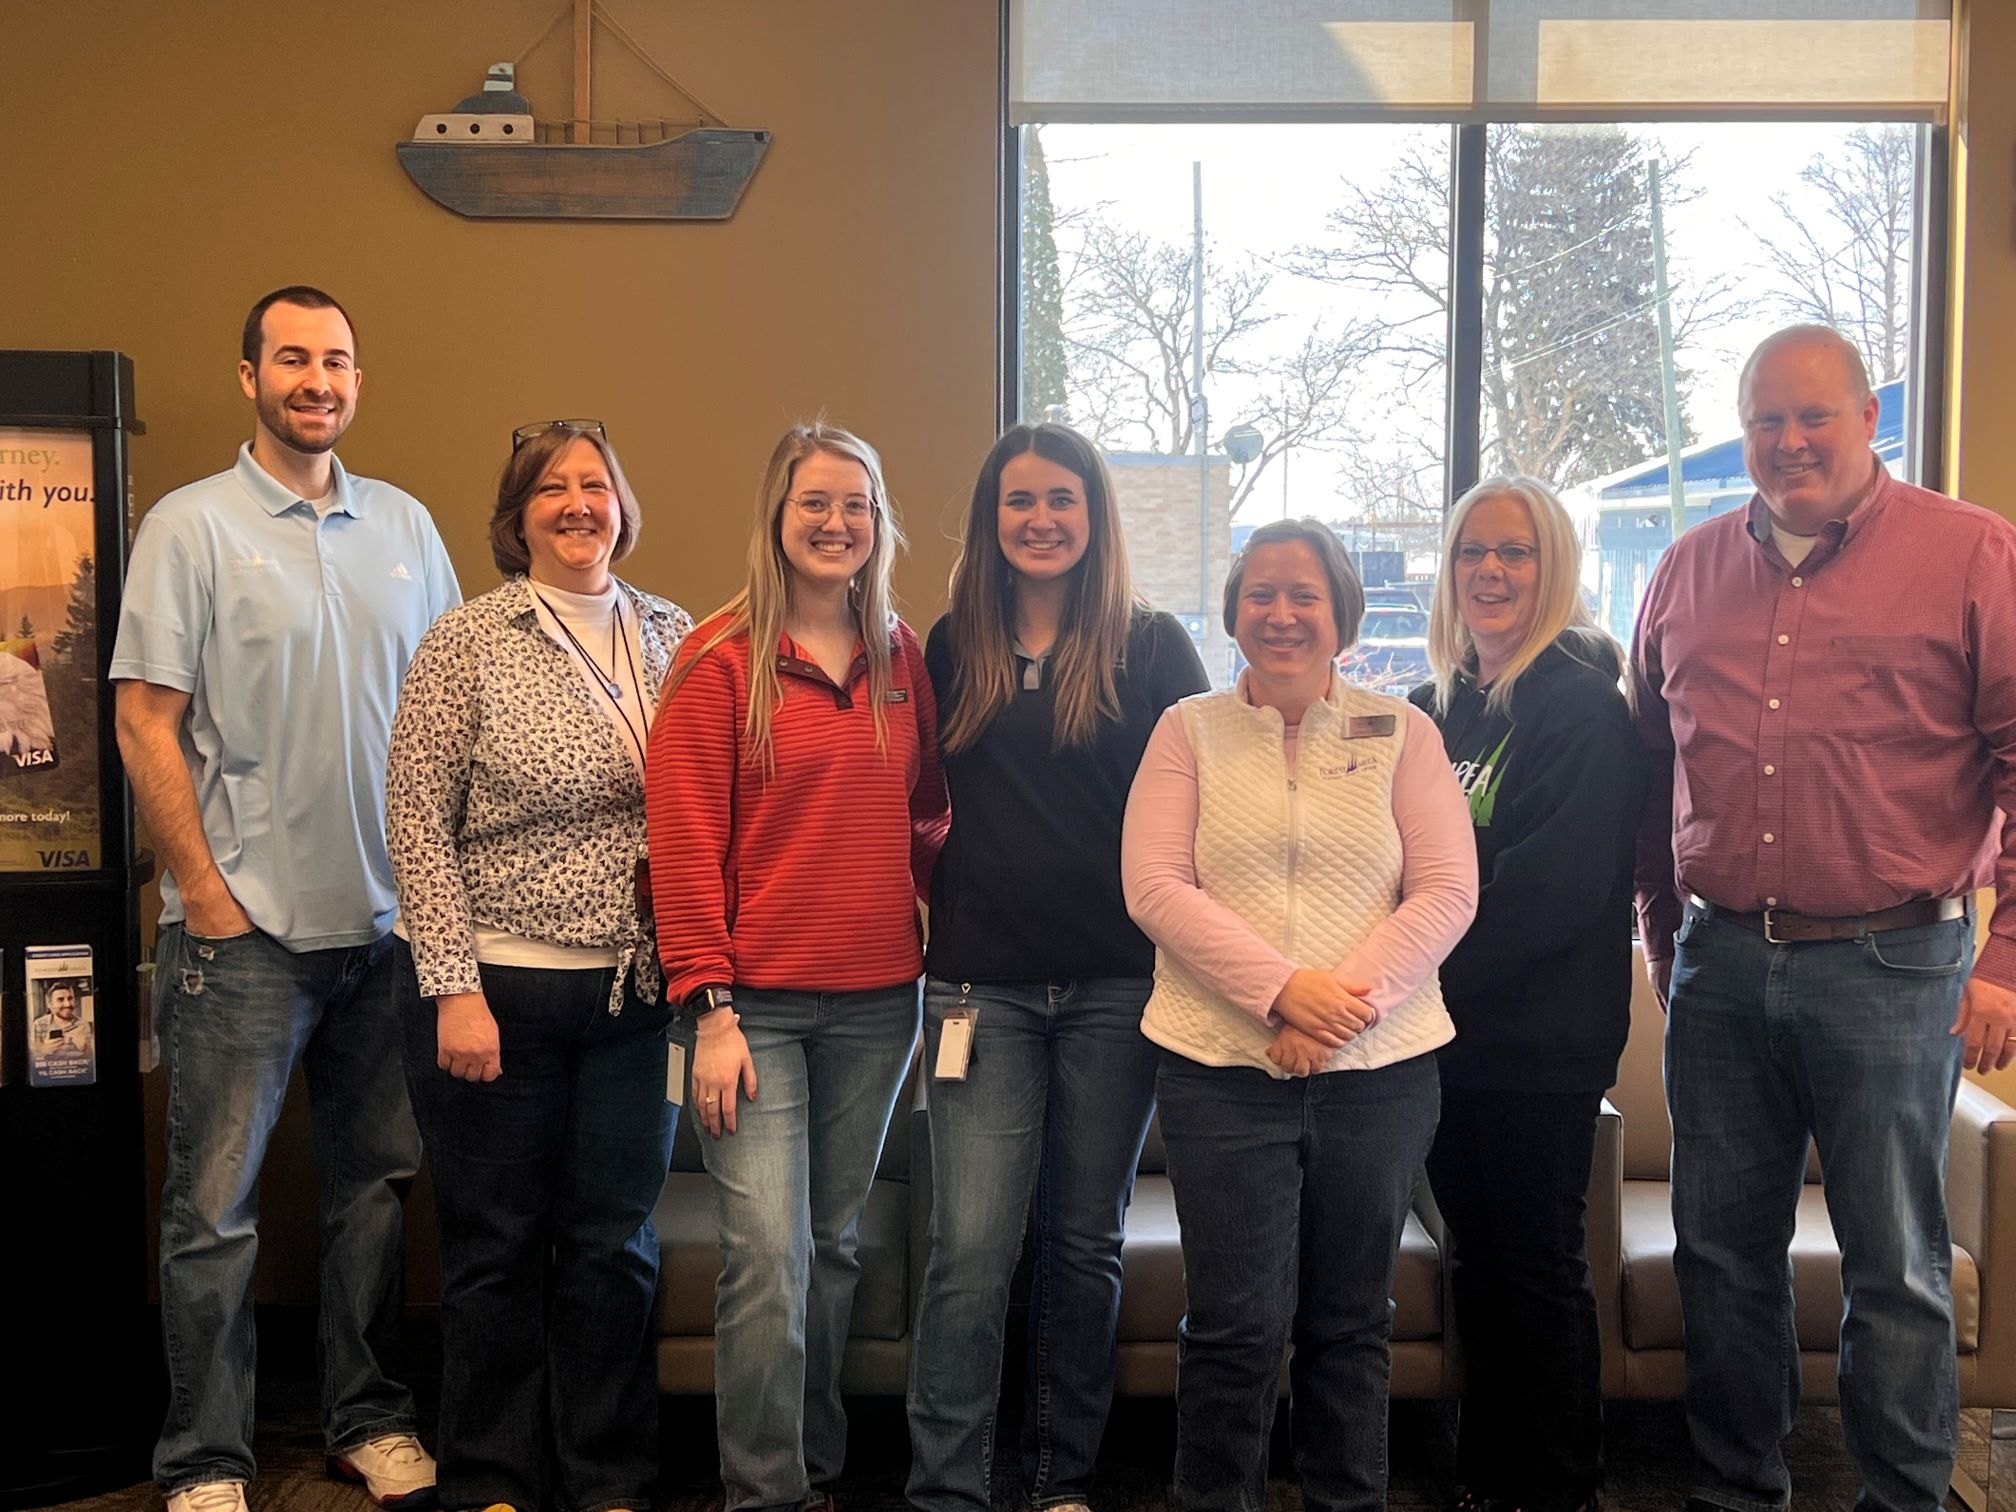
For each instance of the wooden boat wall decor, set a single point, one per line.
(491, 157)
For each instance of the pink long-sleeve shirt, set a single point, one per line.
(1438, 888)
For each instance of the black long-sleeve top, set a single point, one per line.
(1540, 986)
(1028, 886)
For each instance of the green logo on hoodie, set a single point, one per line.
(1480, 784)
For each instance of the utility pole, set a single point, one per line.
(1200, 409)
(1676, 486)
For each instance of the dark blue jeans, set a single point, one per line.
(1055, 1103)
(544, 1181)
(237, 1015)
(1845, 1044)
(1290, 1196)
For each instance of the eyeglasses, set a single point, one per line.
(1512, 554)
(815, 509)
(525, 433)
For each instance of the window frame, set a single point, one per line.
(1463, 398)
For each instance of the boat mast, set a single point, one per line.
(578, 128)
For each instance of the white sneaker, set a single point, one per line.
(209, 1496)
(394, 1469)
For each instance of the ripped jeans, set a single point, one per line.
(237, 1015)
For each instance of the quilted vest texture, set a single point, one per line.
(1312, 860)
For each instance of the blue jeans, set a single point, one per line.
(1844, 1043)
(789, 1186)
(544, 1181)
(1055, 1102)
(1290, 1196)
(236, 1016)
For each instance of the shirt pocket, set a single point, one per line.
(1887, 687)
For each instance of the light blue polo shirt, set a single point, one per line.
(291, 635)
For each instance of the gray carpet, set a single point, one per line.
(1647, 1456)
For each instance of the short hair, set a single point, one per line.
(1557, 594)
(1347, 593)
(1811, 334)
(520, 478)
(305, 295)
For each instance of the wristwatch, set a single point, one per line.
(704, 1000)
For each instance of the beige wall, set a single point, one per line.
(1981, 371)
(167, 164)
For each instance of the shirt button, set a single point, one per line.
(1769, 837)
(1774, 703)
(1784, 640)
(1770, 770)
(1798, 582)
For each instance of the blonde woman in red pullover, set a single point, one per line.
(795, 806)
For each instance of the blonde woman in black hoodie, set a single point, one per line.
(1526, 696)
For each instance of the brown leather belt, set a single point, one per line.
(1782, 927)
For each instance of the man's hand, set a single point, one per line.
(465, 1037)
(1988, 1019)
(214, 914)
(1660, 974)
(1297, 1053)
(1327, 1010)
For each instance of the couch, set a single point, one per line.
(1630, 1255)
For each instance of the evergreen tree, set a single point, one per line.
(1571, 337)
(1043, 362)
(1571, 386)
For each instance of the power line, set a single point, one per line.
(1583, 335)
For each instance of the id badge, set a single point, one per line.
(955, 1043)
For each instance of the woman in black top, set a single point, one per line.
(1049, 674)
(1525, 693)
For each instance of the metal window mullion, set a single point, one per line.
(1465, 399)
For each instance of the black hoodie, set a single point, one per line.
(1540, 986)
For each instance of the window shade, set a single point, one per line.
(1120, 60)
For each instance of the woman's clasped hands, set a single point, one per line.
(1319, 1015)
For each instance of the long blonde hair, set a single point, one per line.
(1557, 597)
(1098, 611)
(758, 611)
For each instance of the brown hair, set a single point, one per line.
(1091, 642)
(521, 477)
(305, 295)
(1347, 594)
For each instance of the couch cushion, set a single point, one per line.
(1151, 1299)
(1652, 1297)
(689, 1259)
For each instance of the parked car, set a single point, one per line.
(1391, 655)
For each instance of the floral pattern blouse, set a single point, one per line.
(510, 800)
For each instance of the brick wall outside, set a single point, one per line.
(1157, 497)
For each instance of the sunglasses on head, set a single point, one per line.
(525, 433)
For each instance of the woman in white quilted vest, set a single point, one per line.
(1299, 852)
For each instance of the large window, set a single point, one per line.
(1355, 319)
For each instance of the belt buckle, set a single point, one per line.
(1770, 919)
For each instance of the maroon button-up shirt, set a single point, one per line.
(1833, 738)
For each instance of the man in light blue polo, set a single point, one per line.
(268, 618)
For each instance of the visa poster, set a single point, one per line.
(49, 689)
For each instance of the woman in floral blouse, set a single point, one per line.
(534, 1022)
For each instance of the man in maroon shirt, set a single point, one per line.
(1826, 684)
